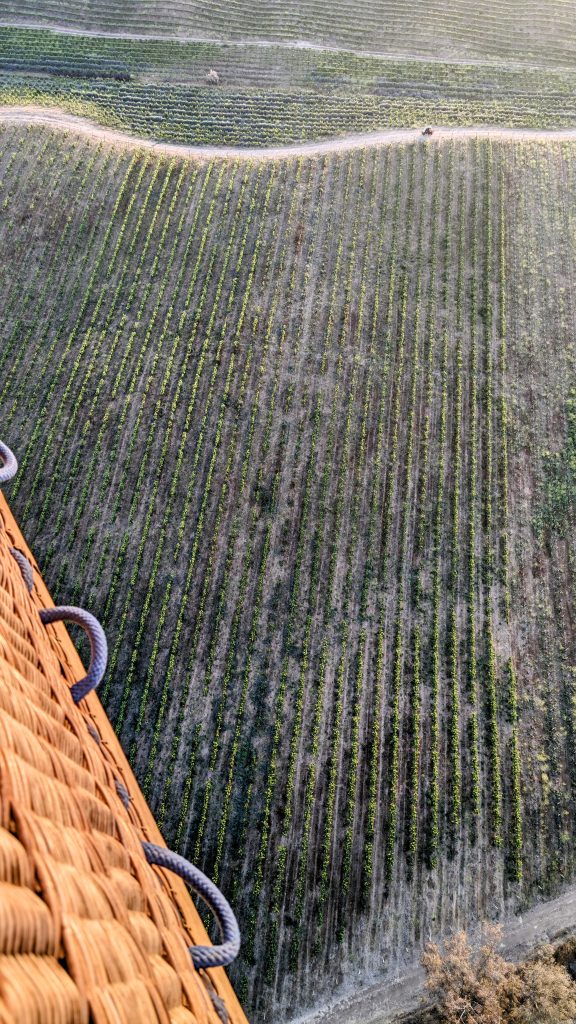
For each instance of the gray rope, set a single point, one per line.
(25, 568)
(98, 645)
(94, 733)
(123, 793)
(202, 956)
(9, 466)
(219, 1005)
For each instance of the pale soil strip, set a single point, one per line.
(403, 992)
(59, 119)
(282, 44)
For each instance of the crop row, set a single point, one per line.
(200, 115)
(276, 466)
(479, 30)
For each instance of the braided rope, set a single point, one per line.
(123, 793)
(220, 1006)
(9, 466)
(202, 956)
(25, 568)
(94, 733)
(98, 645)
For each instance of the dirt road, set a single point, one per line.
(273, 44)
(59, 119)
(403, 992)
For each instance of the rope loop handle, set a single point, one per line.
(202, 956)
(9, 466)
(98, 645)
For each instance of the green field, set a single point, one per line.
(301, 434)
(270, 95)
(541, 33)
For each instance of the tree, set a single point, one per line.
(483, 988)
(547, 992)
(469, 989)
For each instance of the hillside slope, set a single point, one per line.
(302, 435)
(266, 95)
(540, 32)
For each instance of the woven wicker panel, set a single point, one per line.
(88, 930)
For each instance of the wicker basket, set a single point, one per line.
(89, 931)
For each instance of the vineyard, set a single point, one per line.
(302, 435)
(268, 94)
(531, 32)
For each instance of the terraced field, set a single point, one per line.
(541, 33)
(269, 95)
(301, 434)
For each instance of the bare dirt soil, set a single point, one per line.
(59, 119)
(403, 991)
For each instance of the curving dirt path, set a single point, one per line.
(59, 119)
